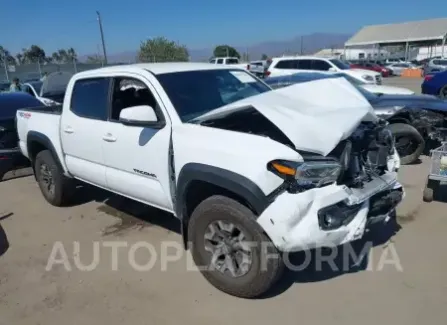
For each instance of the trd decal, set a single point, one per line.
(141, 172)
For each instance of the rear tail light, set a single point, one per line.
(267, 73)
(428, 77)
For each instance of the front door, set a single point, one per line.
(83, 128)
(137, 158)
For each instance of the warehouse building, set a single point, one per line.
(429, 35)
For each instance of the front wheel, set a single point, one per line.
(409, 142)
(231, 249)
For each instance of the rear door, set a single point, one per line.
(83, 126)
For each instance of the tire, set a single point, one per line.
(62, 187)
(427, 195)
(401, 130)
(263, 272)
(443, 92)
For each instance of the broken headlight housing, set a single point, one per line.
(308, 174)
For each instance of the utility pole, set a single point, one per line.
(301, 45)
(102, 37)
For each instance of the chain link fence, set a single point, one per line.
(28, 72)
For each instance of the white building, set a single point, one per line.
(354, 54)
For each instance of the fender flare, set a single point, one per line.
(236, 183)
(42, 139)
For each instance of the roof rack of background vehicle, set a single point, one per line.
(424, 33)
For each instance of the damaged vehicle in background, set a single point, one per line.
(51, 91)
(413, 119)
(249, 172)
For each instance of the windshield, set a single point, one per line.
(340, 64)
(194, 93)
(441, 62)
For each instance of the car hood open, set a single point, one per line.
(315, 115)
(55, 82)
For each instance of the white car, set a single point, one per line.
(34, 89)
(378, 89)
(296, 64)
(51, 91)
(249, 172)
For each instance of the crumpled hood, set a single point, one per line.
(55, 82)
(315, 116)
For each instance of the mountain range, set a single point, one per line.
(311, 43)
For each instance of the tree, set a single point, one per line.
(34, 54)
(5, 56)
(225, 50)
(264, 57)
(19, 58)
(160, 49)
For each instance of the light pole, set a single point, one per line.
(102, 37)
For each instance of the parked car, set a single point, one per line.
(373, 67)
(10, 155)
(258, 68)
(398, 68)
(415, 119)
(290, 65)
(435, 65)
(4, 86)
(237, 163)
(435, 84)
(276, 82)
(35, 89)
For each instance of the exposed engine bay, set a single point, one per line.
(430, 124)
(363, 156)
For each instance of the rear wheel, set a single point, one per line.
(231, 249)
(55, 187)
(409, 142)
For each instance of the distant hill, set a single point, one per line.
(311, 43)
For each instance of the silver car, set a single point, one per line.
(398, 68)
(435, 65)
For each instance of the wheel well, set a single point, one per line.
(198, 191)
(34, 148)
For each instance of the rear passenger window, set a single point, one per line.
(90, 98)
(304, 64)
(321, 65)
(285, 64)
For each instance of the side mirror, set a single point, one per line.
(332, 69)
(142, 115)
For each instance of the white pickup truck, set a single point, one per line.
(233, 61)
(249, 172)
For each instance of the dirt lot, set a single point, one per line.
(410, 290)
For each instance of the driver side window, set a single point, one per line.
(128, 92)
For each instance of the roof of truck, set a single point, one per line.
(157, 68)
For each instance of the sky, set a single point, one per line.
(58, 24)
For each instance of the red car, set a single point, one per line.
(373, 67)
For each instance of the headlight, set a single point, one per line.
(307, 174)
(368, 78)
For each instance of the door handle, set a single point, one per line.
(109, 138)
(68, 129)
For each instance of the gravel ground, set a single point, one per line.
(410, 289)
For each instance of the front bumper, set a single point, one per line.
(11, 159)
(293, 221)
